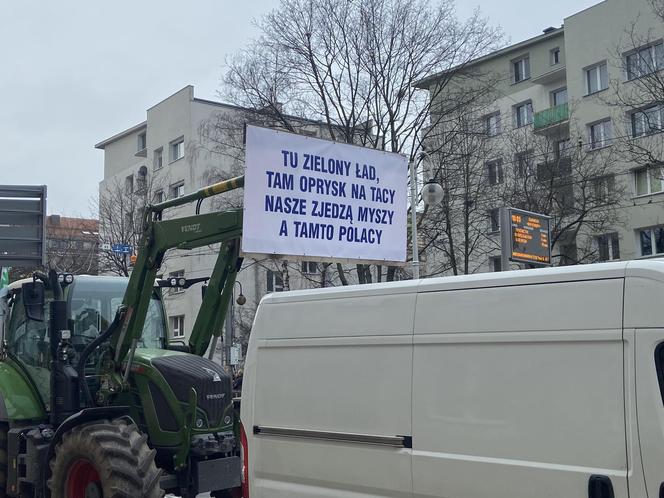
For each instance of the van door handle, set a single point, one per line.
(661, 490)
(600, 487)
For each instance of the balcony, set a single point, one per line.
(550, 118)
(556, 169)
(557, 74)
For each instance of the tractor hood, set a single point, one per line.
(182, 371)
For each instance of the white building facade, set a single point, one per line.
(566, 85)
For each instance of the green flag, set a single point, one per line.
(4, 277)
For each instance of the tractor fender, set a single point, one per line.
(82, 417)
(19, 400)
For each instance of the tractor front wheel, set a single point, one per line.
(105, 459)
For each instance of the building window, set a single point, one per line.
(176, 274)
(604, 189)
(652, 241)
(494, 220)
(177, 190)
(309, 267)
(523, 164)
(495, 172)
(495, 263)
(648, 180)
(159, 196)
(563, 148)
(523, 114)
(275, 281)
(597, 78)
(644, 61)
(129, 184)
(559, 97)
(492, 125)
(647, 121)
(129, 220)
(158, 159)
(177, 326)
(600, 134)
(177, 149)
(142, 141)
(554, 56)
(520, 69)
(142, 180)
(608, 246)
(568, 255)
(563, 197)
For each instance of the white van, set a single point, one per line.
(531, 384)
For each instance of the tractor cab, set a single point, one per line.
(92, 302)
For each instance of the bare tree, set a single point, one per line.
(75, 249)
(641, 98)
(484, 164)
(556, 173)
(455, 233)
(122, 206)
(354, 66)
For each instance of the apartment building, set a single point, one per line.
(184, 144)
(564, 96)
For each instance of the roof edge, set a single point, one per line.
(424, 83)
(120, 135)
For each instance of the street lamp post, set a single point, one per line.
(413, 219)
(432, 193)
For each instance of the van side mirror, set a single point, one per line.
(33, 300)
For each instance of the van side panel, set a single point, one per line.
(346, 372)
(518, 391)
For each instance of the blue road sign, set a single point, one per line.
(121, 248)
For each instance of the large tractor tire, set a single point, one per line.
(105, 459)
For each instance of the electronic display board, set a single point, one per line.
(526, 236)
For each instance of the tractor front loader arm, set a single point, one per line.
(181, 233)
(217, 297)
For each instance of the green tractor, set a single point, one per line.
(93, 401)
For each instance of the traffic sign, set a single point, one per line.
(122, 248)
(236, 354)
(105, 246)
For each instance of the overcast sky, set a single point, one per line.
(76, 72)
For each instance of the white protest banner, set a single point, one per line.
(318, 199)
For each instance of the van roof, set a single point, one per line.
(598, 271)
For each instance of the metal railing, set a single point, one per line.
(551, 116)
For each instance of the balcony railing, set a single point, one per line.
(555, 169)
(551, 116)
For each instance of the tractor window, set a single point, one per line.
(28, 342)
(94, 303)
(27, 339)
